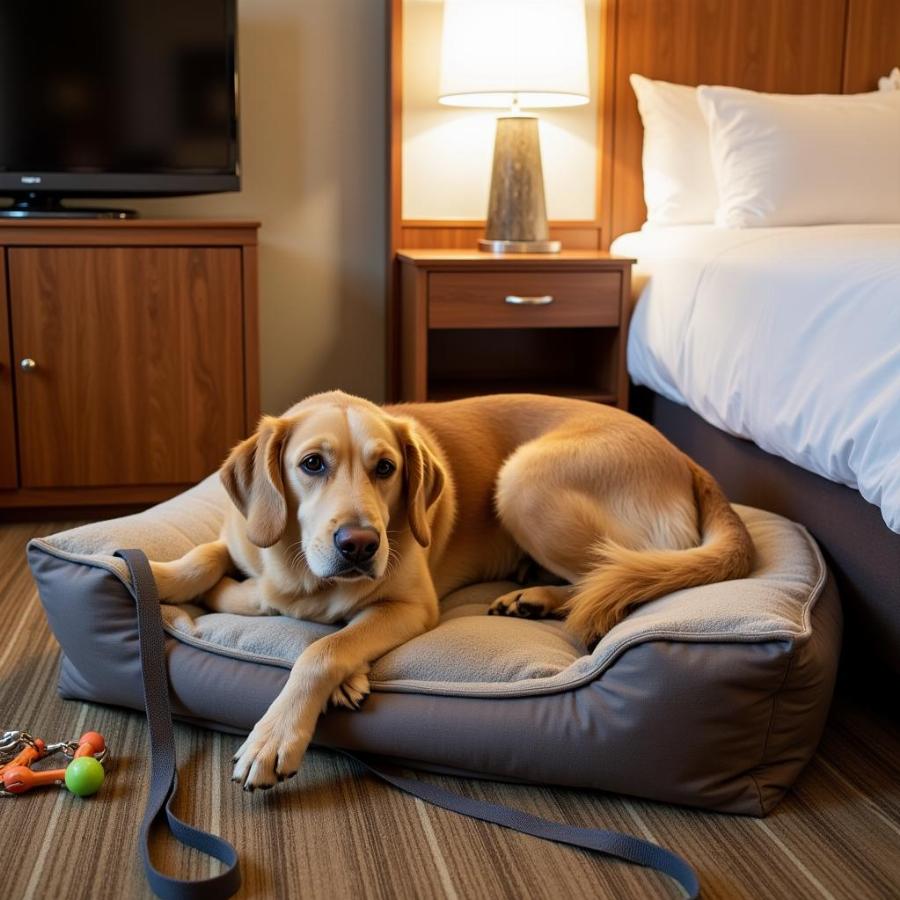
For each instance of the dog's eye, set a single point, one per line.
(385, 468)
(313, 464)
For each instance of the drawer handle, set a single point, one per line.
(541, 300)
(27, 364)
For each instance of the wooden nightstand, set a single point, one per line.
(474, 323)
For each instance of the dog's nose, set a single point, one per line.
(357, 545)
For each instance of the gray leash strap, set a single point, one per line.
(163, 767)
(611, 843)
(164, 783)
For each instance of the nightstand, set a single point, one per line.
(472, 323)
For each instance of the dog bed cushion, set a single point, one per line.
(714, 696)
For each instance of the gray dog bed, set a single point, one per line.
(713, 697)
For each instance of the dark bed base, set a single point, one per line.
(861, 550)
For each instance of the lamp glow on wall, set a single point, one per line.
(515, 54)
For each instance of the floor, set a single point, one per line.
(334, 833)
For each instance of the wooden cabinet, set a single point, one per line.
(477, 323)
(8, 456)
(131, 359)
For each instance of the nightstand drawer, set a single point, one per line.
(531, 299)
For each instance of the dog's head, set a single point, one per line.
(350, 475)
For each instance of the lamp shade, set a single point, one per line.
(494, 52)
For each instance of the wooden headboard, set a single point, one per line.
(784, 46)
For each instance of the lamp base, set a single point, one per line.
(517, 215)
(489, 246)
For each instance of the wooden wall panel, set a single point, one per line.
(788, 46)
(873, 43)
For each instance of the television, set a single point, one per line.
(116, 98)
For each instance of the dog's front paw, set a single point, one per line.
(272, 752)
(352, 692)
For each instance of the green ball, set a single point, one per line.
(84, 776)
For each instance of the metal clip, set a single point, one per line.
(12, 743)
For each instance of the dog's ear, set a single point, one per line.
(424, 477)
(252, 477)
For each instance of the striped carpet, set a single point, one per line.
(333, 833)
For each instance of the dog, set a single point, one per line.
(347, 512)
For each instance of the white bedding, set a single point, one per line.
(787, 336)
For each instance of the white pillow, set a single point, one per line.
(679, 187)
(803, 159)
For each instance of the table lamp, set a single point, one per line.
(515, 54)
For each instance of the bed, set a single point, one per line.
(772, 355)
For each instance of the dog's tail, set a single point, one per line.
(624, 578)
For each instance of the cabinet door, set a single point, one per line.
(8, 477)
(138, 358)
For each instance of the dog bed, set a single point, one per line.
(713, 697)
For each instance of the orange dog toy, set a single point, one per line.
(19, 751)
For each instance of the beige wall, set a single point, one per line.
(313, 110)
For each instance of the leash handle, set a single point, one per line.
(163, 770)
(164, 783)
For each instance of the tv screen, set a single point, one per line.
(123, 97)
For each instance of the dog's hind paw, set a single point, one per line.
(529, 603)
(352, 692)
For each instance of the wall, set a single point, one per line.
(313, 111)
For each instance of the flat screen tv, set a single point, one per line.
(122, 98)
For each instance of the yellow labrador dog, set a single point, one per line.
(348, 512)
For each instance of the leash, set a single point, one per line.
(163, 769)
(164, 783)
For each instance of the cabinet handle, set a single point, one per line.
(28, 364)
(517, 300)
